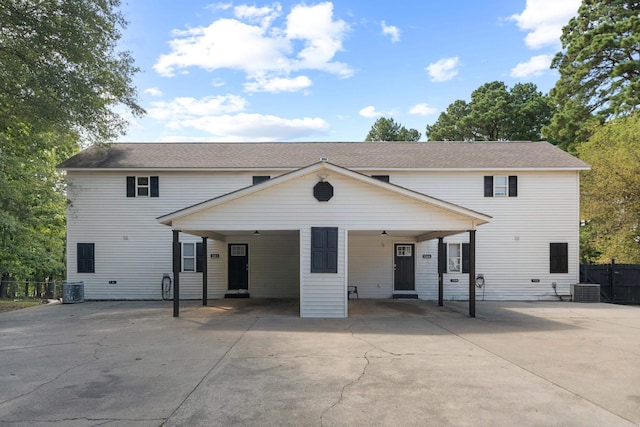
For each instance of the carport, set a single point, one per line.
(329, 207)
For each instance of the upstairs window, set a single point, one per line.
(501, 186)
(143, 186)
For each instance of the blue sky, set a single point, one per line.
(326, 71)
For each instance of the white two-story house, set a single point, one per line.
(434, 221)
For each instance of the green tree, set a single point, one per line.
(61, 70)
(62, 80)
(451, 124)
(494, 113)
(599, 68)
(386, 129)
(611, 191)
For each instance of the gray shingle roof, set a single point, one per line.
(364, 155)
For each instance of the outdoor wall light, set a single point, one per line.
(256, 233)
(384, 233)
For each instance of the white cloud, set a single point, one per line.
(254, 127)
(220, 6)
(422, 110)
(184, 108)
(322, 37)
(278, 84)
(534, 67)
(226, 43)
(260, 15)
(223, 119)
(392, 31)
(444, 69)
(544, 19)
(153, 91)
(370, 112)
(309, 38)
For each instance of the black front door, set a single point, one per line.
(238, 266)
(404, 267)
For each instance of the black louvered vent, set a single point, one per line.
(323, 191)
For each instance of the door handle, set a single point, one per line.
(394, 267)
(247, 267)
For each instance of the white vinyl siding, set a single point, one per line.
(513, 248)
(134, 250)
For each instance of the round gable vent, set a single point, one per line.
(323, 191)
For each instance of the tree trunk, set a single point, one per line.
(4, 283)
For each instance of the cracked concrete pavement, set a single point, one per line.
(255, 362)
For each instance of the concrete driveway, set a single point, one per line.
(256, 363)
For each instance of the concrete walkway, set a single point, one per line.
(256, 363)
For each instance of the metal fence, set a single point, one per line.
(619, 283)
(30, 289)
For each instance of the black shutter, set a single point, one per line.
(558, 258)
(513, 186)
(466, 259)
(488, 186)
(155, 188)
(331, 265)
(86, 257)
(199, 257)
(131, 186)
(324, 250)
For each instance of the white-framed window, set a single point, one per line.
(458, 258)
(192, 257)
(142, 186)
(454, 256)
(500, 186)
(238, 250)
(403, 250)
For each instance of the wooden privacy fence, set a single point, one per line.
(619, 283)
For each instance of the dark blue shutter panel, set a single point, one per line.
(331, 265)
(199, 257)
(488, 186)
(513, 186)
(86, 258)
(131, 186)
(466, 259)
(558, 258)
(155, 188)
(324, 250)
(317, 250)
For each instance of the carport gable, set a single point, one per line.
(357, 202)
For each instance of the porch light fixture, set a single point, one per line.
(256, 233)
(384, 233)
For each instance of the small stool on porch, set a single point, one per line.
(352, 290)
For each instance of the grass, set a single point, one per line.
(10, 304)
